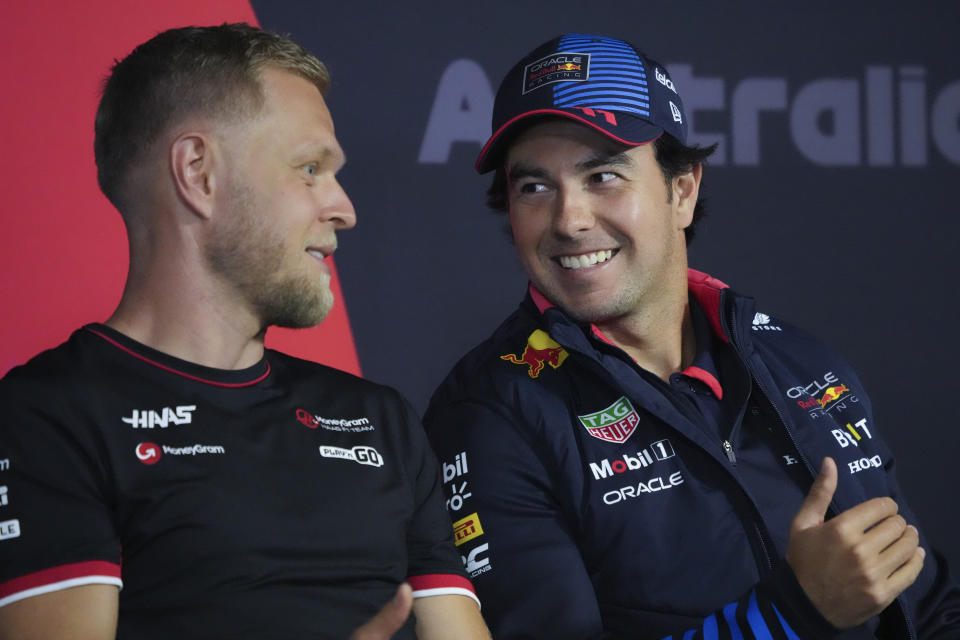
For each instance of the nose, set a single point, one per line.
(571, 214)
(338, 208)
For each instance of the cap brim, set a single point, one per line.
(624, 128)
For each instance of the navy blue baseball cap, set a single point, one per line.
(604, 83)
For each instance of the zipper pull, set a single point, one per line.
(728, 449)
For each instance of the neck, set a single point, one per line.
(175, 306)
(663, 343)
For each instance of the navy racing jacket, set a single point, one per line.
(586, 504)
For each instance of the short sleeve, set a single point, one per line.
(435, 567)
(56, 527)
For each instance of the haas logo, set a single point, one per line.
(148, 453)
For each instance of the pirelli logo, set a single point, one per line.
(466, 529)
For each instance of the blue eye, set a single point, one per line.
(311, 169)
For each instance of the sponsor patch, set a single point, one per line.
(466, 529)
(761, 322)
(151, 418)
(451, 476)
(653, 485)
(9, 529)
(351, 425)
(359, 454)
(563, 66)
(475, 562)
(616, 423)
(150, 453)
(656, 452)
(541, 349)
(822, 396)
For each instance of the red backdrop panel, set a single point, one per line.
(64, 255)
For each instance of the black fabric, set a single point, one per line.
(258, 532)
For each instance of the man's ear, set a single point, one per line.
(192, 163)
(686, 190)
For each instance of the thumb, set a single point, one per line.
(814, 508)
(389, 619)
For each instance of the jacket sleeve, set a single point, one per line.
(512, 535)
(933, 601)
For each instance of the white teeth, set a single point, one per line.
(316, 254)
(585, 260)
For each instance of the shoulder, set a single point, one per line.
(68, 363)
(518, 355)
(335, 396)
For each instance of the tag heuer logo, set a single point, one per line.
(616, 423)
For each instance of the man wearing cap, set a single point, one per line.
(638, 451)
(165, 475)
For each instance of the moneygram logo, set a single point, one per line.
(359, 454)
(353, 425)
(616, 423)
(148, 453)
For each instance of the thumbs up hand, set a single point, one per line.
(856, 564)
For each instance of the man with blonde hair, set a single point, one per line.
(230, 490)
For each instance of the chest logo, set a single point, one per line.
(359, 454)
(616, 423)
(541, 349)
(466, 529)
(148, 453)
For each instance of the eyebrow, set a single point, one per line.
(621, 159)
(322, 153)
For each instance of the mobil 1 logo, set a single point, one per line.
(454, 480)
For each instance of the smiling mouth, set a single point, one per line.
(585, 259)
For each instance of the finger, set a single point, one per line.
(907, 573)
(389, 619)
(900, 552)
(814, 508)
(867, 515)
(884, 533)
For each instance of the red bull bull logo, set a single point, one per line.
(833, 394)
(568, 67)
(541, 349)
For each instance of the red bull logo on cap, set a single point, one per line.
(541, 349)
